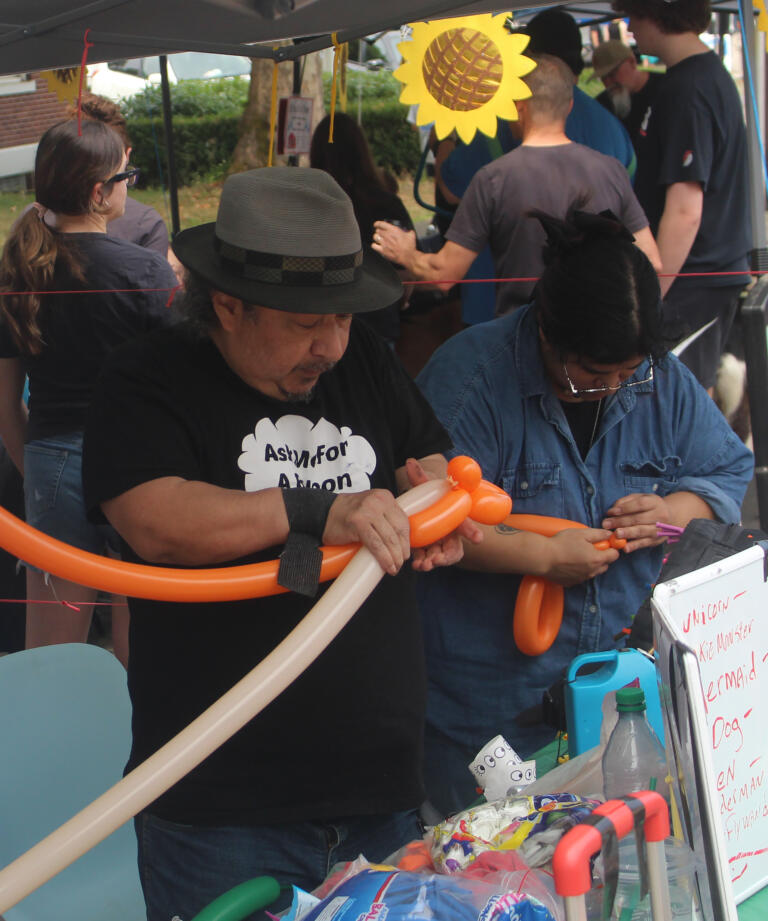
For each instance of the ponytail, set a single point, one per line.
(68, 163)
(27, 264)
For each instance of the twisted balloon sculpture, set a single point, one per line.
(451, 501)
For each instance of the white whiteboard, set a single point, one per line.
(720, 612)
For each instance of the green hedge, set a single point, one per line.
(203, 147)
(206, 118)
(190, 97)
(372, 85)
(393, 140)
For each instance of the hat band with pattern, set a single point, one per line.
(277, 269)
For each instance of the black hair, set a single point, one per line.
(671, 18)
(556, 32)
(598, 296)
(348, 159)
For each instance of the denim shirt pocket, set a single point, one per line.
(536, 488)
(652, 475)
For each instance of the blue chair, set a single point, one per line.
(65, 731)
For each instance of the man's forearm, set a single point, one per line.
(425, 266)
(678, 227)
(180, 522)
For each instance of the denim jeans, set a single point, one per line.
(53, 492)
(184, 867)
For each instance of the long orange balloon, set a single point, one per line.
(548, 527)
(539, 605)
(224, 583)
(230, 583)
(538, 614)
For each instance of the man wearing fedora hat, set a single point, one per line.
(267, 421)
(629, 91)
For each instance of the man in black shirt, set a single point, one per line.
(692, 177)
(629, 91)
(246, 433)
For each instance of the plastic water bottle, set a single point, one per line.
(633, 760)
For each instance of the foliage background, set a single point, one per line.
(206, 120)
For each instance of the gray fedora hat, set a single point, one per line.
(287, 238)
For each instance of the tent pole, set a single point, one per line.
(168, 126)
(756, 357)
(756, 166)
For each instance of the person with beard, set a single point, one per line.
(268, 420)
(629, 91)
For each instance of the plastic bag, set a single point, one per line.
(375, 893)
(531, 825)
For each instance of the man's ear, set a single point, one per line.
(228, 309)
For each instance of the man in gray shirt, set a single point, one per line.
(546, 172)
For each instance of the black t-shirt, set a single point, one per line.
(79, 330)
(695, 133)
(345, 737)
(641, 102)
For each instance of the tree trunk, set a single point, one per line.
(252, 149)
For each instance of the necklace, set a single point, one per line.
(594, 425)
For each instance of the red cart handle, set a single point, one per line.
(571, 860)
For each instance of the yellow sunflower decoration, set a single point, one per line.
(464, 73)
(762, 20)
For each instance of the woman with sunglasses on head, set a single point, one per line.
(69, 294)
(574, 407)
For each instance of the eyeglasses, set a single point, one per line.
(130, 175)
(624, 385)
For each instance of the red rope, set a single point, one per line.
(442, 281)
(86, 46)
(75, 605)
(172, 291)
(478, 281)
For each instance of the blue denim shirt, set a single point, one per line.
(489, 388)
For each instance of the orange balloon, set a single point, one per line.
(440, 519)
(538, 614)
(490, 504)
(224, 583)
(465, 471)
(539, 606)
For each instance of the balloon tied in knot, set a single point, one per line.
(470, 496)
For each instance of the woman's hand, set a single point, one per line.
(634, 518)
(574, 558)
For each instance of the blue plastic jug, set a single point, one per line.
(584, 693)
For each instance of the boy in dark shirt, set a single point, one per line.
(692, 176)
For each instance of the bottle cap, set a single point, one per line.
(630, 699)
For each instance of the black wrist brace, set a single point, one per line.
(307, 509)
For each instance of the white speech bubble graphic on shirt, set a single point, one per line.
(295, 452)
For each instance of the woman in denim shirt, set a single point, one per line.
(574, 407)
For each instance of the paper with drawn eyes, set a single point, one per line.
(498, 769)
(719, 614)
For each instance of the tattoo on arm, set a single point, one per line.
(505, 529)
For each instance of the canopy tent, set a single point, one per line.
(49, 33)
(44, 34)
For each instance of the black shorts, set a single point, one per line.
(691, 308)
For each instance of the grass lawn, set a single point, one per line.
(199, 203)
